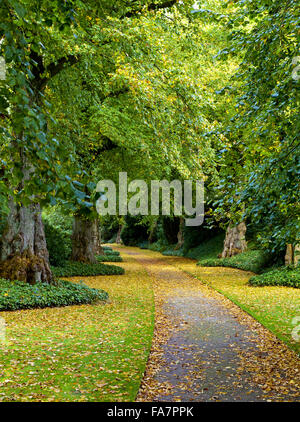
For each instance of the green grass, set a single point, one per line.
(81, 353)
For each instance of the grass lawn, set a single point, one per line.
(81, 353)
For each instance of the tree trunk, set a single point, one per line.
(98, 247)
(23, 252)
(118, 238)
(292, 255)
(235, 241)
(180, 234)
(84, 240)
(151, 237)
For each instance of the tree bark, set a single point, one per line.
(84, 240)
(151, 237)
(180, 234)
(23, 250)
(118, 238)
(292, 254)
(235, 241)
(98, 247)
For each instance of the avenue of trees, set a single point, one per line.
(155, 88)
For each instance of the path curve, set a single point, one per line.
(203, 344)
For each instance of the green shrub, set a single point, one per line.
(73, 269)
(109, 258)
(143, 245)
(56, 217)
(135, 230)
(19, 295)
(158, 246)
(250, 260)
(111, 252)
(196, 236)
(107, 248)
(58, 243)
(171, 251)
(209, 249)
(285, 276)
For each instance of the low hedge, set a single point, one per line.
(251, 260)
(173, 252)
(16, 295)
(286, 276)
(73, 269)
(109, 258)
(111, 252)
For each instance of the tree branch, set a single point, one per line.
(54, 68)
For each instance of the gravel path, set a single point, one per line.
(203, 344)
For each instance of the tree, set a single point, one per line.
(267, 118)
(39, 42)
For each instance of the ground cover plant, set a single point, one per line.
(284, 276)
(250, 260)
(18, 295)
(74, 268)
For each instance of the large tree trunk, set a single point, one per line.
(84, 240)
(292, 255)
(118, 238)
(180, 234)
(235, 241)
(23, 252)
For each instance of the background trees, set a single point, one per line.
(159, 89)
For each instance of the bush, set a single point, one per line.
(196, 236)
(59, 244)
(208, 249)
(73, 269)
(286, 276)
(158, 246)
(19, 295)
(171, 251)
(111, 252)
(135, 231)
(250, 260)
(109, 258)
(109, 228)
(143, 245)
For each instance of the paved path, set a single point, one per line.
(201, 342)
